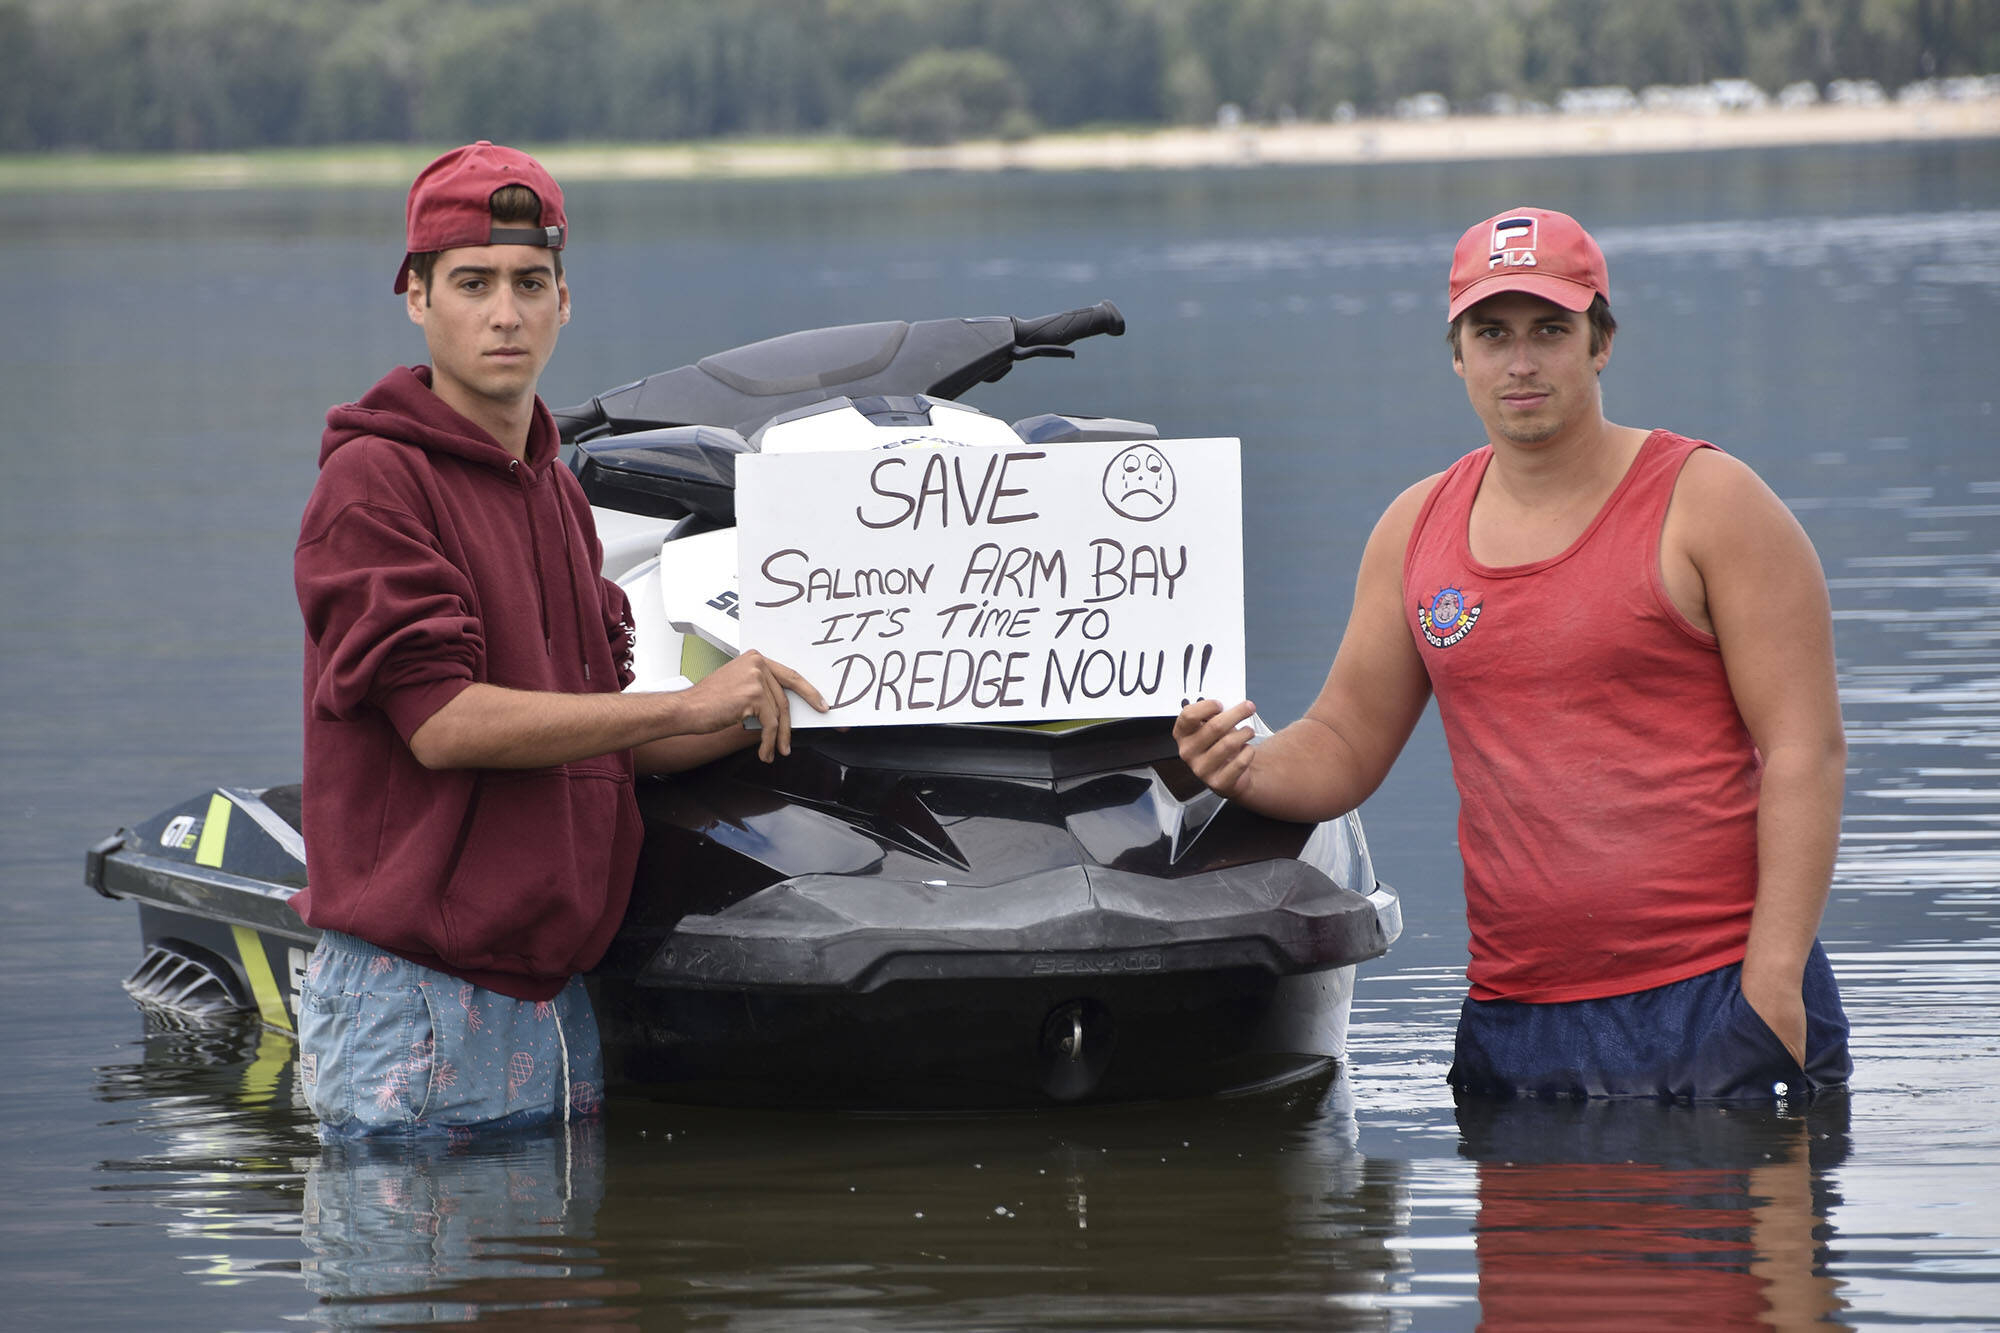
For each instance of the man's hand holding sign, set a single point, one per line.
(980, 583)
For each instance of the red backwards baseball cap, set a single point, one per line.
(450, 203)
(1533, 250)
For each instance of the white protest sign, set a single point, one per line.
(988, 584)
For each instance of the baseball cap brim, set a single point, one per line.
(1565, 292)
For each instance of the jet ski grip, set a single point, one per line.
(581, 422)
(1060, 330)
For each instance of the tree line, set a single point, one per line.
(124, 75)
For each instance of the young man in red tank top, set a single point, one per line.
(1631, 644)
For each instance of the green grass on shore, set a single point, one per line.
(396, 164)
(189, 171)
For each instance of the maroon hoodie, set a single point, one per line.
(430, 558)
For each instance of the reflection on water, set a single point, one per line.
(226, 1139)
(1923, 708)
(1251, 1214)
(430, 1232)
(1953, 248)
(1632, 1216)
(1255, 1213)
(1263, 1213)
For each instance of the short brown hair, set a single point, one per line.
(511, 206)
(1602, 326)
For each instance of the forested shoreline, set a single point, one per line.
(206, 75)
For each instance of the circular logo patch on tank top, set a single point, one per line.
(1447, 618)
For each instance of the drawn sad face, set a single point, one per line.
(1139, 483)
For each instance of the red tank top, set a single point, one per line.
(1607, 785)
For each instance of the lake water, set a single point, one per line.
(1827, 314)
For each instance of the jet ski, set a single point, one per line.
(944, 917)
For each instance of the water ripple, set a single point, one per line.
(1958, 246)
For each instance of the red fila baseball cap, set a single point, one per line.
(1533, 250)
(450, 203)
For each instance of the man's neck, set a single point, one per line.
(1587, 459)
(506, 422)
(1536, 500)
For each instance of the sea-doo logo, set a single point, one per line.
(1513, 244)
(725, 602)
(921, 442)
(1074, 965)
(1447, 618)
(181, 833)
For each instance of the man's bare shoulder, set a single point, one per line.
(1416, 493)
(1718, 492)
(1400, 518)
(1718, 469)
(1734, 530)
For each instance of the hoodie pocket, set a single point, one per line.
(533, 881)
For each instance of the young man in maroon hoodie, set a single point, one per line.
(1631, 646)
(471, 831)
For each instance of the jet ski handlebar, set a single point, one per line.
(1060, 330)
(581, 422)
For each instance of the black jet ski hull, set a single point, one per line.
(983, 1045)
(930, 919)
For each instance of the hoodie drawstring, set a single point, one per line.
(535, 550)
(576, 592)
(568, 544)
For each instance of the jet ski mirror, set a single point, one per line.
(672, 474)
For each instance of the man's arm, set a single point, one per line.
(1332, 759)
(1766, 598)
(678, 754)
(487, 726)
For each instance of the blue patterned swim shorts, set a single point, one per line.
(388, 1047)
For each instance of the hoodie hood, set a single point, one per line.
(403, 407)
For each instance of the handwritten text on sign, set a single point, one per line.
(967, 584)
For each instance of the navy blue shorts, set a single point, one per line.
(1692, 1040)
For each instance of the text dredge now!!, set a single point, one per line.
(966, 584)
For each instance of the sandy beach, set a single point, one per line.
(1447, 139)
(1450, 138)
(1479, 137)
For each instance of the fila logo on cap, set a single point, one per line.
(1513, 243)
